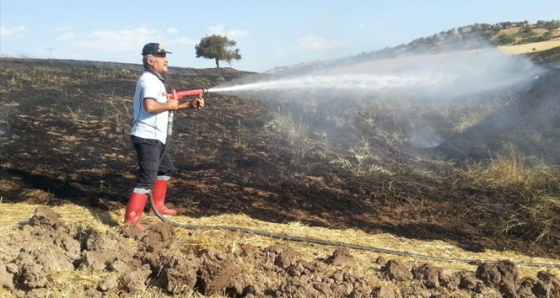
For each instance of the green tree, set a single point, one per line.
(504, 40)
(217, 47)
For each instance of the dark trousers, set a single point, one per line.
(152, 161)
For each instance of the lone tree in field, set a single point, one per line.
(216, 47)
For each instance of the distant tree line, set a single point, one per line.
(471, 37)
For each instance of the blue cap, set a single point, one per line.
(153, 48)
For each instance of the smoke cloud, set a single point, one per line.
(404, 83)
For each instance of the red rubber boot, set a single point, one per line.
(135, 208)
(159, 198)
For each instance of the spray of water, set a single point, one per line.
(344, 82)
(427, 82)
(455, 75)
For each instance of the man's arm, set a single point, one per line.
(153, 106)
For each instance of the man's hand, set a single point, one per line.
(172, 105)
(197, 103)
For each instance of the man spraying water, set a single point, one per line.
(152, 112)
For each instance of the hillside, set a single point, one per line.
(516, 38)
(308, 163)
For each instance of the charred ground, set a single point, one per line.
(64, 130)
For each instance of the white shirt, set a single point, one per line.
(147, 125)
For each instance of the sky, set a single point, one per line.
(269, 33)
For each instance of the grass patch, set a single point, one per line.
(530, 47)
(534, 207)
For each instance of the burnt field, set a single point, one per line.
(491, 183)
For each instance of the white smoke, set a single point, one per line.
(418, 79)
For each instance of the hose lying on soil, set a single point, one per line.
(335, 243)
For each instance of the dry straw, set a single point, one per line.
(229, 242)
(225, 240)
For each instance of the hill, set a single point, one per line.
(516, 38)
(475, 216)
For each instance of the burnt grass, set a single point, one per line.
(64, 130)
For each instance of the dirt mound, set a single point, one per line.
(128, 261)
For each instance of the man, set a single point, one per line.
(149, 134)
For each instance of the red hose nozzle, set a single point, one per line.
(178, 95)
